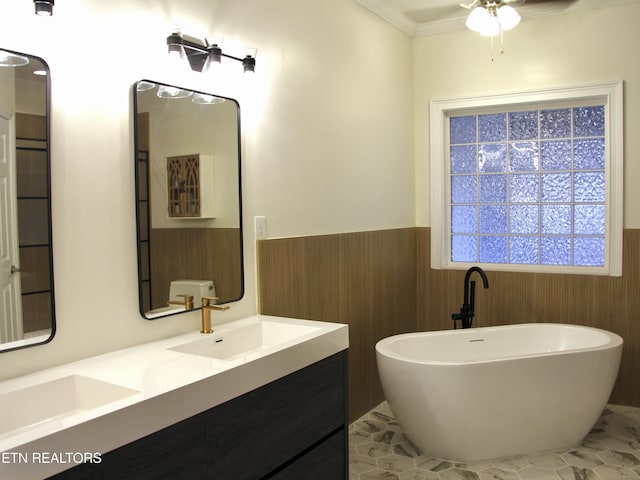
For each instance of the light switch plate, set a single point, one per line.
(260, 224)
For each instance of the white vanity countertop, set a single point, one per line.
(171, 386)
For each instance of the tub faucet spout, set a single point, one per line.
(467, 311)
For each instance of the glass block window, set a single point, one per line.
(528, 187)
(534, 186)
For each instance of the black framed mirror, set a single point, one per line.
(188, 198)
(27, 311)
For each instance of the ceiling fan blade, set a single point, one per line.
(472, 5)
(532, 2)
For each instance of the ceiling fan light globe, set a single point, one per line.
(508, 17)
(491, 27)
(478, 17)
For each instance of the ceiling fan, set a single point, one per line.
(483, 3)
(493, 17)
(499, 3)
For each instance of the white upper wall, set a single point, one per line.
(332, 144)
(594, 46)
(327, 127)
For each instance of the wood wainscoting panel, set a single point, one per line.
(365, 279)
(610, 303)
(30, 126)
(381, 283)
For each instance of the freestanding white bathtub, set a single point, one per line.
(484, 393)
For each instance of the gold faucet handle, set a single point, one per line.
(206, 301)
(210, 302)
(187, 303)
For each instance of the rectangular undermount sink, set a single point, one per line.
(46, 401)
(234, 342)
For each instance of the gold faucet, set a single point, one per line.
(208, 304)
(187, 303)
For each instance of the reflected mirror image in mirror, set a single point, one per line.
(187, 165)
(27, 315)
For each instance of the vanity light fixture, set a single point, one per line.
(203, 56)
(44, 8)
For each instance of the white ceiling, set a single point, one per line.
(425, 17)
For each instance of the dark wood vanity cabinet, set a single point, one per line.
(291, 429)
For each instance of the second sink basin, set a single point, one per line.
(234, 342)
(53, 399)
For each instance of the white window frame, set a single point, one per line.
(610, 94)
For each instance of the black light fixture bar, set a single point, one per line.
(198, 53)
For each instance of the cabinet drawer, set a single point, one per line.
(327, 461)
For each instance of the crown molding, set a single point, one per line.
(396, 17)
(391, 14)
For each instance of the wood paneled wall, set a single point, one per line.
(380, 283)
(366, 280)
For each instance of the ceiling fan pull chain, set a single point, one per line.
(492, 56)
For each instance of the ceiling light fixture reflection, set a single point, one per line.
(205, 99)
(10, 59)
(173, 92)
(143, 86)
